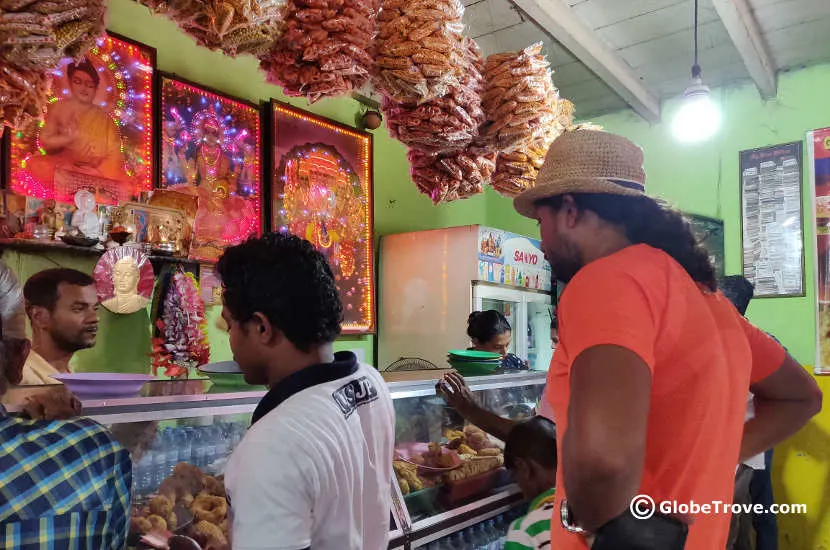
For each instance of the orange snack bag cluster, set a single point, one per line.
(445, 124)
(418, 49)
(519, 98)
(452, 176)
(234, 27)
(323, 51)
(516, 171)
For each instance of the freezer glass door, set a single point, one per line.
(539, 344)
(529, 314)
(506, 308)
(506, 301)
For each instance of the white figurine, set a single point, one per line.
(84, 217)
(125, 278)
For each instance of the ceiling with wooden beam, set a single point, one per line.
(607, 55)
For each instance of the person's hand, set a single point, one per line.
(455, 392)
(54, 404)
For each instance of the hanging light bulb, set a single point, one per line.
(698, 117)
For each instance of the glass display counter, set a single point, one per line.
(439, 497)
(190, 422)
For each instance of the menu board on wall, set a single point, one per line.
(819, 154)
(771, 220)
(510, 259)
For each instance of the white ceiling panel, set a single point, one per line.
(478, 21)
(790, 13)
(585, 110)
(601, 13)
(655, 38)
(571, 74)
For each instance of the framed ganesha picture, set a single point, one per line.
(322, 192)
(211, 150)
(97, 134)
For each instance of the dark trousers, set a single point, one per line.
(740, 528)
(760, 490)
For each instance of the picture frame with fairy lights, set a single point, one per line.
(98, 133)
(211, 148)
(321, 190)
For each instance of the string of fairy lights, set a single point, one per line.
(194, 124)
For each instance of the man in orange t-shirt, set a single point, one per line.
(648, 385)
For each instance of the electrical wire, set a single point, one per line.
(696, 67)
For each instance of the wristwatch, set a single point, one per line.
(567, 519)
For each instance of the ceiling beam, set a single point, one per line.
(561, 22)
(746, 34)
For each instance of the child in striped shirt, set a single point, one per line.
(530, 453)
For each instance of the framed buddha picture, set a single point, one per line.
(211, 149)
(98, 132)
(321, 190)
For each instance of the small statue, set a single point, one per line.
(46, 220)
(46, 214)
(125, 279)
(84, 217)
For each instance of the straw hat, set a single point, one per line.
(586, 161)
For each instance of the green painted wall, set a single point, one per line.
(703, 179)
(124, 342)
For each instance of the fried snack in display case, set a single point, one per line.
(180, 438)
(444, 466)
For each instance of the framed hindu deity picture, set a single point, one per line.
(321, 190)
(98, 132)
(211, 149)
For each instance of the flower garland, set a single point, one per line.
(182, 342)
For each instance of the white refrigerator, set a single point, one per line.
(430, 282)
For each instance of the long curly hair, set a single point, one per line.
(648, 221)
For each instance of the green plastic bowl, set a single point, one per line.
(225, 374)
(470, 368)
(472, 355)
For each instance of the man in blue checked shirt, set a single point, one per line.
(64, 484)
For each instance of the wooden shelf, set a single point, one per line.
(38, 246)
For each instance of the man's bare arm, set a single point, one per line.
(603, 449)
(461, 399)
(784, 402)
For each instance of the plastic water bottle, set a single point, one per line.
(184, 444)
(492, 534)
(199, 448)
(171, 446)
(468, 538)
(501, 527)
(143, 478)
(480, 540)
(159, 462)
(223, 445)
